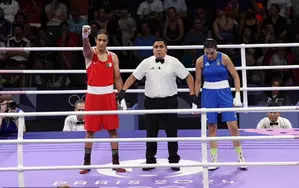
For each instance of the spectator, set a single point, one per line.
(173, 31)
(57, 12)
(295, 10)
(281, 56)
(150, 8)
(11, 8)
(127, 26)
(67, 59)
(274, 121)
(144, 38)
(278, 22)
(101, 17)
(3, 60)
(179, 5)
(5, 27)
(21, 19)
(44, 60)
(250, 23)
(18, 59)
(224, 27)
(33, 11)
(75, 122)
(76, 21)
(276, 96)
(285, 7)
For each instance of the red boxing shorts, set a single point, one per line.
(101, 102)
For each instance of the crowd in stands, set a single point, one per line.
(56, 23)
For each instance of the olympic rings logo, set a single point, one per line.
(74, 98)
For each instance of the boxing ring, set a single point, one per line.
(50, 159)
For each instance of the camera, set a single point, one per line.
(12, 105)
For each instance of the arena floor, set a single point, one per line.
(133, 153)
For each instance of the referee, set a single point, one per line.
(160, 72)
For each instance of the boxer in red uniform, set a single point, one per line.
(102, 74)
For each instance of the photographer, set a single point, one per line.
(10, 124)
(75, 122)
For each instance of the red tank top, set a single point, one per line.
(100, 73)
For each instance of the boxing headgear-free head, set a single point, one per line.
(210, 43)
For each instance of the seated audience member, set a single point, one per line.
(274, 121)
(10, 124)
(75, 122)
(277, 96)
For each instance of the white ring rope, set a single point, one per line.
(132, 70)
(185, 47)
(161, 111)
(191, 164)
(185, 139)
(283, 88)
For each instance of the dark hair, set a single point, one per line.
(210, 43)
(102, 31)
(160, 40)
(79, 101)
(276, 6)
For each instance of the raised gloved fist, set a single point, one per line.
(86, 29)
(237, 99)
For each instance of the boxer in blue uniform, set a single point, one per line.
(215, 68)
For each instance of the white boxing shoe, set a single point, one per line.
(242, 160)
(213, 160)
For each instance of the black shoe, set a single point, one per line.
(84, 171)
(213, 168)
(175, 168)
(148, 169)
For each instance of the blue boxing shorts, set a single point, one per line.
(218, 98)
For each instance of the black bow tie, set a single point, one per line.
(273, 123)
(79, 122)
(161, 60)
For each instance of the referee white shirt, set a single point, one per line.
(71, 123)
(160, 77)
(281, 123)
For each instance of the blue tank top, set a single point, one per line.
(214, 71)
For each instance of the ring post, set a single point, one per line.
(204, 149)
(21, 124)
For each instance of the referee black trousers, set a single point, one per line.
(165, 121)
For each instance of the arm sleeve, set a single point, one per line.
(288, 124)
(140, 71)
(67, 124)
(260, 124)
(180, 69)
